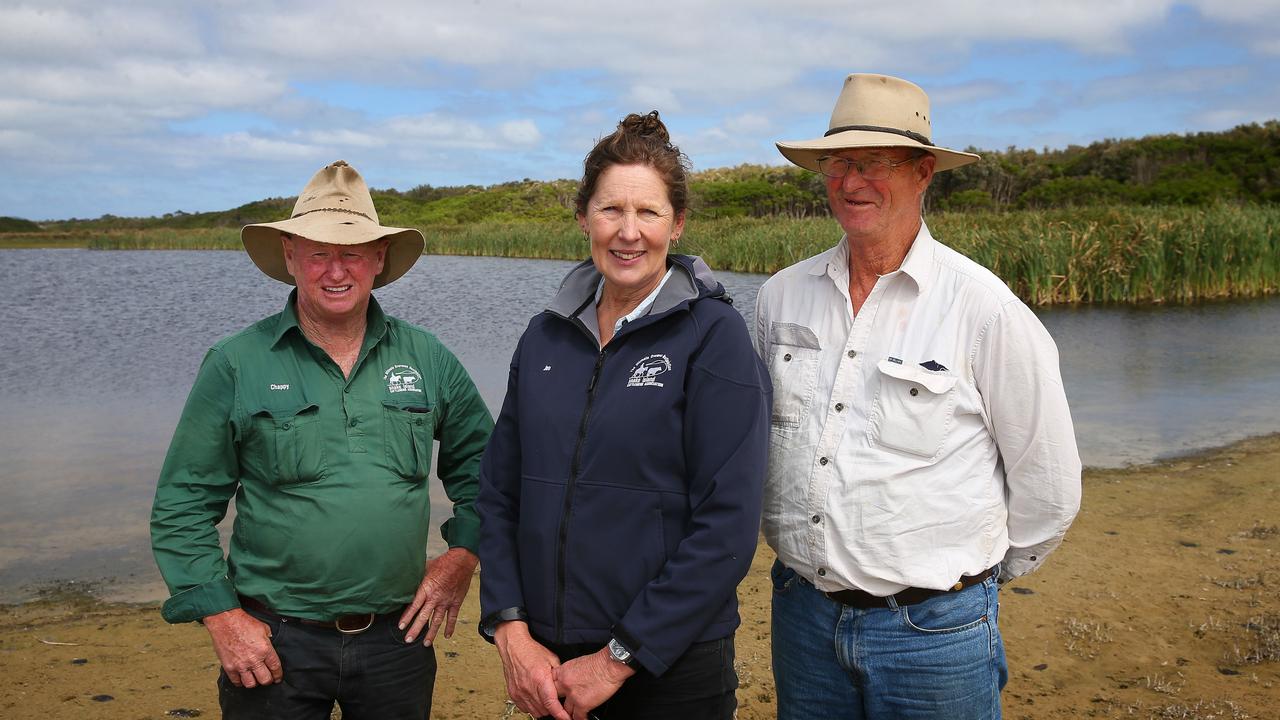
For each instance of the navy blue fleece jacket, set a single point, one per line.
(621, 488)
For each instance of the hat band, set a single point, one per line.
(876, 128)
(343, 210)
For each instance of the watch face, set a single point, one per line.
(618, 652)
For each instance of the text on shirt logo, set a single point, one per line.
(279, 387)
(402, 378)
(645, 373)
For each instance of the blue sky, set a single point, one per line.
(149, 107)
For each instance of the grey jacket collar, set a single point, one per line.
(691, 280)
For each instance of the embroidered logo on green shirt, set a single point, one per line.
(402, 378)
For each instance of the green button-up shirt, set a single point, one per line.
(329, 473)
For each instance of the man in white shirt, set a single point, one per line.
(921, 445)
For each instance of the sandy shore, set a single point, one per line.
(1162, 603)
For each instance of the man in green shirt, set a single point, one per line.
(320, 421)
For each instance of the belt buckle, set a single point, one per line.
(339, 624)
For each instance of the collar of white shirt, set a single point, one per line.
(642, 309)
(917, 265)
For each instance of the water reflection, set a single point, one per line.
(101, 349)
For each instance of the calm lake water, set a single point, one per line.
(99, 350)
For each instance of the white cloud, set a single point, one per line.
(440, 85)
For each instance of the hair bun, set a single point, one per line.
(649, 124)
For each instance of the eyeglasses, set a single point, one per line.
(834, 166)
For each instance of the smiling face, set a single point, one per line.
(630, 223)
(876, 211)
(334, 281)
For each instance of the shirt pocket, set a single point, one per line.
(408, 434)
(913, 409)
(794, 352)
(285, 445)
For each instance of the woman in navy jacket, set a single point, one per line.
(621, 489)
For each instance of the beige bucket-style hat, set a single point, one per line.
(876, 111)
(336, 208)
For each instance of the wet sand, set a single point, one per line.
(1162, 603)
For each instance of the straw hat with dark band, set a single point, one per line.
(336, 208)
(876, 111)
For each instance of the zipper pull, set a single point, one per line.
(595, 374)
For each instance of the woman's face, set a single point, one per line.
(630, 223)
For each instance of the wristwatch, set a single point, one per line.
(620, 653)
(489, 625)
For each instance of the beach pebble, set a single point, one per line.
(1226, 551)
(102, 698)
(79, 661)
(1188, 543)
(1041, 666)
(1023, 591)
(1228, 671)
(184, 713)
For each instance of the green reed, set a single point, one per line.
(165, 239)
(1079, 255)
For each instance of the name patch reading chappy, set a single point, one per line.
(402, 378)
(646, 372)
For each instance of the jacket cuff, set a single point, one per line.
(489, 625)
(462, 530)
(200, 601)
(647, 660)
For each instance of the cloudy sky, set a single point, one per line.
(151, 106)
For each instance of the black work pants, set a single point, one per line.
(374, 675)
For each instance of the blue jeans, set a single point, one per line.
(942, 658)
(374, 675)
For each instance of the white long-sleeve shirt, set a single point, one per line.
(926, 438)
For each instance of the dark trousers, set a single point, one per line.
(700, 685)
(374, 675)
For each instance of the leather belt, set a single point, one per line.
(346, 624)
(911, 596)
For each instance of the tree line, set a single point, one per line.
(1241, 165)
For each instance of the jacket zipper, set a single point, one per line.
(568, 498)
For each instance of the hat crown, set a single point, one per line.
(336, 187)
(882, 101)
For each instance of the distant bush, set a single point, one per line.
(13, 224)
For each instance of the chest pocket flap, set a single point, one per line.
(284, 445)
(913, 409)
(794, 353)
(408, 433)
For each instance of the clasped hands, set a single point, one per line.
(539, 684)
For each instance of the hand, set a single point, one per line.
(440, 595)
(530, 671)
(588, 681)
(243, 645)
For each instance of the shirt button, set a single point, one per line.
(852, 353)
(915, 392)
(347, 390)
(817, 519)
(822, 572)
(822, 461)
(786, 358)
(839, 407)
(354, 422)
(285, 426)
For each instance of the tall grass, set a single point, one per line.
(1081, 255)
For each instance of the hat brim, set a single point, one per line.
(262, 242)
(805, 153)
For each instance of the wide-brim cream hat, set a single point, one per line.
(336, 208)
(876, 111)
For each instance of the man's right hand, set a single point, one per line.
(243, 645)
(530, 671)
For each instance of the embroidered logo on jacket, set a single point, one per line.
(402, 378)
(647, 371)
